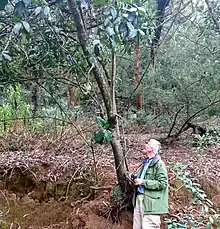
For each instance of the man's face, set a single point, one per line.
(148, 150)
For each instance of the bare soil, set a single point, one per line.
(53, 181)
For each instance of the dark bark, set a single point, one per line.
(161, 6)
(174, 122)
(193, 116)
(200, 130)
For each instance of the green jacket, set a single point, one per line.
(155, 190)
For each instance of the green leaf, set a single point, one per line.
(141, 10)
(132, 9)
(113, 12)
(205, 209)
(110, 31)
(99, 137)
(27, 2)
(37, 10)
(19, 9)
(6, 56)
(46, 10)
(145, 26)
(26, 26)
(106, 22)
(118, 40)
(133, 33)
(181, 225)
(116, 193)
(100, 2)
(17, 28)
(141, 32)
(107, 135)
(106, 126)
(196, 184)
(125, 15)
(208, 226)
(106, 43)
(131, 17)
(211, 220)
(209, 202)
(16, 19)
(100, 121)
(130, 26)
(3, 3)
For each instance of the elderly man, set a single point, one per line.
(151, 189)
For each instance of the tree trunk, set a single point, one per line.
(35, 98)
(161, 6)
(71, 98)
(108, 98)
(137, 74)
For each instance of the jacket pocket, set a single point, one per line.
(153, 194)
(150, 174)
(150, 203)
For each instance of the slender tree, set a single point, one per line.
(105, 89)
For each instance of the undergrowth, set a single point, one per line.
(210, 138)
(200, 213)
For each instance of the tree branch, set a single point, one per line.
(212, 14)
(83, 40)
(194, 115)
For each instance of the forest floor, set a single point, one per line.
(50, 181)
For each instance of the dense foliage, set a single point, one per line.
(41, 52)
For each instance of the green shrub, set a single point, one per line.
(212, 137)
(200, 203)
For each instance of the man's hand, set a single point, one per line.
(138, 181)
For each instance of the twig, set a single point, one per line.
(71, 179)
(8, 42)
(94, 163)
(101, 188)
(179, 188)
(6, 201)
(123, 158)
(28, 168)
(83, 199)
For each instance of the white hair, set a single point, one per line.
(155, 144)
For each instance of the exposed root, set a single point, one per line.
(82, 200)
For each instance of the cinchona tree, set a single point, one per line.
(123, 24)
(107, 90)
